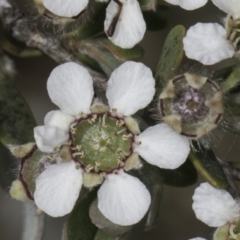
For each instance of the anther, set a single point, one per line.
(120, 131)
(119, 123)
(81, 154)
(73, 130)
(89, 168)
(126, 137)
(103, 120)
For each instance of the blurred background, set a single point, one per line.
(177, 220)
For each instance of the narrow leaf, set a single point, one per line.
(16, 119)
(156, 20)
(101, 235)
(79, 225)
(183, 176)
(151, 176)
(104, 224)
(232, 80)
(171, 57)
(208, 166)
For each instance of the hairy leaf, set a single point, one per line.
(207, 165)
(104, 224)
(151, 176)
(79, 225)
(171, 57)
(183, 176)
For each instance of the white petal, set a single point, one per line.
(162, 146)
(215, 207)
(59, 119)
(65, 8)
(123, 199)
(230, 7)
(188, 4)
(130, 27)
(207, 43)
(70, 87)
(57, 188)
(130, 88)
(48, 137)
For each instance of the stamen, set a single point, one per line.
(73, 129)
(126, 137)
(81, 154)
(103, 120)
(119, 123)
(78, 148)
(103, 174)
(89, 168)
(93, 119)
(120, 131)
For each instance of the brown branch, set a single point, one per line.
(26, 32)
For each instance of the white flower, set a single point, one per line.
(215, 207)
(231, 7)
(188, 4)
(65, 8)
(208, 43)
(124, 23)
(122, 198)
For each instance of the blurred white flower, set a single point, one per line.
(130, 88)
(188, 4)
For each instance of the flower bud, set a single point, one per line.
(192, 105)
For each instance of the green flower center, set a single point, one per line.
(101, 142)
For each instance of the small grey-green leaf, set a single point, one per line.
(16, 119)
(183, 176)
(106, 54)
(208, 166)
(103, 223)
(101, 235)
(232, 80)
(79, 225)
(156, 20)
(151, 177)
(8, 167)
(171, 57)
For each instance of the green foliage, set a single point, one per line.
(104, 224)
(107, 55)
(232, 80)
(207, 165)
(151, 177)
(8, 167)
(101, 235)
(171, 57)
(79, 225)
(183, 176)
(16, 119)
(156, 19)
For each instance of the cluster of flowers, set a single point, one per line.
(105, 141)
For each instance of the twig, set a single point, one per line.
(26, 32)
